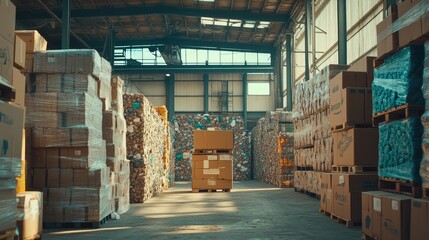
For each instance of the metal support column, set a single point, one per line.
(342, 32)
(65, 28)
(307, 37)
(245, 93)
(206, 91)
(112, 46)
(280, 64)
(169, 78)
(289, 71)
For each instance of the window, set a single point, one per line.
(259, 88)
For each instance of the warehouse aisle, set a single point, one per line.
(253, 210)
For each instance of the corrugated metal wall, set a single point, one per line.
(362, 18)
(189, 91)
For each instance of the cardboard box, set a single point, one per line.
(18, 82)
(66, 178)
(80, 177)
(356, 146)
(396, 211)
(347, 189)
(368, 105)
(206, 173)
(19, 58)
(65, 161)
(29, 61)
(325, 190)
(365, 64)
(6, 58)
(39, 178)
(53, 158)
(7, 20)
(419, 219)
(211, 183)
(347, 79)
(8, 200)
(348, 106)
(225, 169)
(371, 213)
(387, 42)
(212, 140)
(30, 214)
(53, 179)
(11, 125)
(33, 40)
(416, 32)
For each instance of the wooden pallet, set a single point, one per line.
(355, 169)
(216, 151)
(308, 193)
(8, 234)
(304, 168)
(397, 113)
(400, 186)
(7, 93)
(324, 212)
(348, 223)
(77, 224)
(195, 190)
(347, 125)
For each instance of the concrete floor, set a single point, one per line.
(252, 210)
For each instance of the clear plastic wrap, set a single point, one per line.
(8, 205)
(80, 61)
(323, 152)
(61, 83)
(425, 85)
(398, 80)
(117, 92)
(412, 15)
(400, 149)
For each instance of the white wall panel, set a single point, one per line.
(260, 103)
(189, 76)
(226, 76)
(189, 88)
(189, 104)
(157, 101)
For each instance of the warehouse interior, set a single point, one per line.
(214, 119)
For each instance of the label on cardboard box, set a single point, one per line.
(211, 182)
(77, 153)
(341, 179)
(376, 203)
(211, 171)
(395, 205)
(206, 164)
(212, 157)
(225, 157)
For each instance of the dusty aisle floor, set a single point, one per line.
(252, 210)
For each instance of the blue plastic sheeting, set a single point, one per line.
(399, 80)
(400, 149)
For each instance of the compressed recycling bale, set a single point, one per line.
(400, 149)
(424, 166)
(185, 124)
(399, 80)
(145, 148)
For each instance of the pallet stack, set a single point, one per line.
(68, 158)
(272, 140)
(396, 211)
(145, 148)
(312, 137)
(12, 124)
(185, 124)
(212, 160)
(354, 142)
(114, 133)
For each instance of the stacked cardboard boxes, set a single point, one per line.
(212, 160)
(145, 148)
(30, 215)
(397, 108)
(68, 158)
(12, 113)
(185, 124)
(114, 133)
(273, 150)
(312, 137)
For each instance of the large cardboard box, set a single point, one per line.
(30, 214)
(348, 106)
(19, 58)
(66, 178)
(7, 20)
(33, 40)
(347, 79)
(396, 211)
(371, 213)
(417, 31)
(211, 183)
(387, 41)
(356, 146)
(365, 64)
(8, 200)
(326, 192)
(11, 125)
(18, 82)
(419, 219)
(53, 179)
(6, 59)
(225, 169)
(347, 190)
(212, 140)
(204, 161)
(39, 178)
(368, 105)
